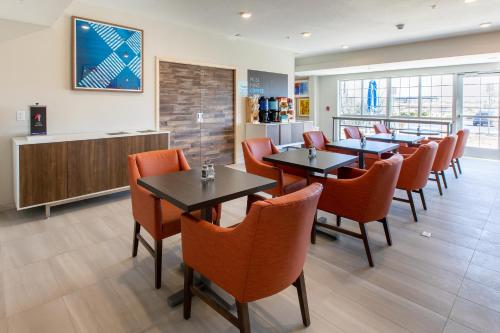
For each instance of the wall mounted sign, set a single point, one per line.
(267, 84)
(38, 120)
(106, 56)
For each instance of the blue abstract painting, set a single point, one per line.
(107, 56)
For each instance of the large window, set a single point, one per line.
(363, 97)
(350, 97)
(428, 96)
(480, 108)
(437, 97)
(405, 96)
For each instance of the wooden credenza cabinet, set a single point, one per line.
(54, 171)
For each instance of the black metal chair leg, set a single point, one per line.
(158, 254)
(339, 221)
(364, 237)
(454, 168)
(412, 205)
(300, 284)
(135, 242)
(421, 191)
(188, 296)
(438, 180)
(243, 317)
(444, 179)
(386, 230)
(458, 164)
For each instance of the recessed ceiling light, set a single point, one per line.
(237, 35)
(469, 1)
(345, 47)
(485, 25)
(306, 34)
(245, 15)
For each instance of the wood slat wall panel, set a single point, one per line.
(186, 90)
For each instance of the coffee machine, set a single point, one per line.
(274, 114)
(263, 109)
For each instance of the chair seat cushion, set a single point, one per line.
(292, 183)
(171, 218)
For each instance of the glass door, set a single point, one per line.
(481, 111)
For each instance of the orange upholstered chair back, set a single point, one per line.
(462, 137)
(444, 154)
(352, 132)
(416, 168)
(367, 197)
(145, 208)
(258, 148)
(278, 258)
(381, 128)
(315, 139)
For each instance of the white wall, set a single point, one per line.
(36, 68)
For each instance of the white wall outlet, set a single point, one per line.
(21, 115)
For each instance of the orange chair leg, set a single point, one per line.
(243, 317)
(135, 241)
(412, 205)
(386, 230)
(444, 179)
(438, 180)
(188, 295)
(454, 168)
(158, 255)
(300, 284)
(364, 237)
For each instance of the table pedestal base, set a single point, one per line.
(203, 284)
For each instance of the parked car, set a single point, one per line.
(481, 120)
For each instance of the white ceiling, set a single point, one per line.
(40, 12)
(357, 23)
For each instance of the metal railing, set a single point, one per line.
(340, 121)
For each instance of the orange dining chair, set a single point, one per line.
(315, 139)
(415, 172)
(381, 128)
(160, 218)
(442, 161)
(254, 150)
(362, 196)
(318, 140)
(352, 132)
(249, 261)
(462, 137)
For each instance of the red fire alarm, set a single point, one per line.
(327, 108)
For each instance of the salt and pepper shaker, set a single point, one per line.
(393, 134)
(211, 171)
(312, 152)
(418, 130)
(204, 172)
(363, 141)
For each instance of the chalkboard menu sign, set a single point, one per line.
(267, 84)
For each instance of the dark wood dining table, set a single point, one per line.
(186, 190)
(323, 163)
(398, 138)
(370, 147)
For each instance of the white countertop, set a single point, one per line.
(28, 140)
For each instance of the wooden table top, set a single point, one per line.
(186, 190)
(411, 139)
(371, 147)
(322, 163)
